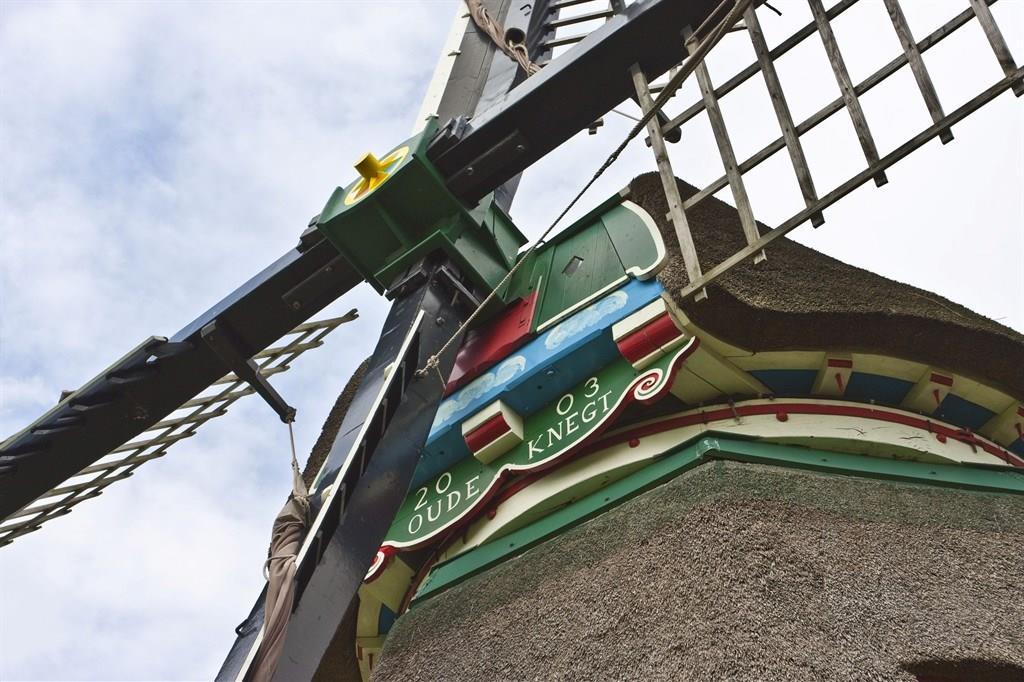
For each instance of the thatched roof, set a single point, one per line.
(798, 299)
(802, 299)
(742, 572)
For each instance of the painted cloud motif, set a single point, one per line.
(585, 319)
(479, 387)
(508, 369)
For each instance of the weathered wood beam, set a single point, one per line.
(835, 105)
(917, 67)
(782, 113)
(668, 181)
(835, 58)
(996, 40)
(742, 77)
(856, 181)
(732, 171)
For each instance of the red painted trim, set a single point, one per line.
(487, 433)
(940, 379)
(662, 330)
(1020, 411)
(840, 362)
(640, 343)
(485, 346)
(377, 568)
(628, 396)
(819, 409)
(781, 410)
(635, 346)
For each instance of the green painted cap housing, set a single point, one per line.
(411, 213)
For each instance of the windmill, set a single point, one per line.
(466, 161)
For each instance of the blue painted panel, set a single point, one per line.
(1017, 447)
(956, 410)
(791, 382)
(385, 620)
(881, 389)
(535, 374)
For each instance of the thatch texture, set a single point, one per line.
(332, 424)
(737, 571)
(741, 572)
(802, 299)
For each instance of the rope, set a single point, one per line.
(516, 51)
(295, 460)
(300, 493)
(739, 6)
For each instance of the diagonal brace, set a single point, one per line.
(222, 341)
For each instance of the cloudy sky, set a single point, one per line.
(156, 155)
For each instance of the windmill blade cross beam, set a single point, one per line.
(160, 375)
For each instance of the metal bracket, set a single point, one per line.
(225, 345)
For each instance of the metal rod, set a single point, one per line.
(562, 4)
(580, 18)
(559, 42)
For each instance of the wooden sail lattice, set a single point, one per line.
(791, 130)
(155, 441)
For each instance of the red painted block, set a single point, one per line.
(649, 338)
(487, 433)
(484, 347)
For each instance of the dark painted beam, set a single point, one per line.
(565, 97)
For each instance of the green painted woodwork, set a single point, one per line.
(634, 246)
(699, 451)
(549, 433)
(412, 214)
(597, 267)
(611, 243)
(614, 242)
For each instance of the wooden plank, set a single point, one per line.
(597, 267)
(924, 81)
(779, 50)
(835, 58)
(732, 171)
(856, 181)
(741, 77)
(996, 40)
(782, 113)
(837, 104)
(668, 182)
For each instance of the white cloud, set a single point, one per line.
(157, 155)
